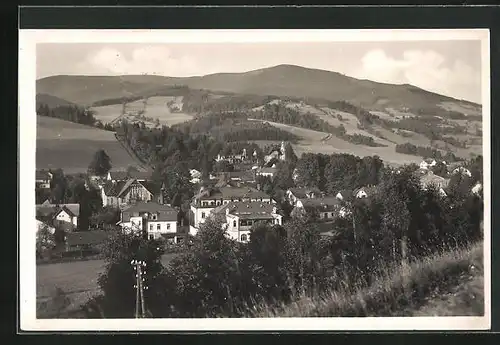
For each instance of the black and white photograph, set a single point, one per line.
(254, 179)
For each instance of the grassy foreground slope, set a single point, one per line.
(444, 284)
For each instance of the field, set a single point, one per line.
(154, 108)
(77, 279)
(71, 146)
(320, 142)
(450, 283)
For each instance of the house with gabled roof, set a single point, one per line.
(324, 208)
(151, 217)
(295, 194)
(364, 192)
(130, 191)
(64, 216)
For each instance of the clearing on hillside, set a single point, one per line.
(71, 146)
(167, 109)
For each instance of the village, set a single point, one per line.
(235, 197)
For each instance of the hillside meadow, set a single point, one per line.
(71, 146)
(153, 107)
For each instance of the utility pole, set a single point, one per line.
(140, 309)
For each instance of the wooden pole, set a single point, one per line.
(141, 288)
(137, 291)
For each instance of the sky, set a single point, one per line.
(451, 68)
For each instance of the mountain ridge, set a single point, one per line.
(281, 80)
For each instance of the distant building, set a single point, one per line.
(195, 176)
(325, 208)
(364, 192)
(463, 171)
(43, 179)
(266, 171)
(439, 182)
(295, 194)
(427, 163)
(477, 189)
(151, 217)
(239, 217)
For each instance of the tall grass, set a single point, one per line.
(399, 290)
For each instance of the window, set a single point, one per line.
(158, 226)
(234, 224)
(326, 215)
(168, 226)
(150, 226)
(202, 214)
(153, 216)
(243, 238)
(333, 214)
(151, 237)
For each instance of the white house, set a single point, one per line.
(239, 217)
(427, 163)
(209, 198)
(155, 219)
(364, 192)
(43, 179)
(67, 216)
(195, 176)
(463, 171)
(477, 189)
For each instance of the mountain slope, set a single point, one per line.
(281, 80)
(51, 101)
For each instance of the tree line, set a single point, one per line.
(73, 113)
(426, 152)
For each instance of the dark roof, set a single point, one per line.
(117, 189)
(112, 189)
(324, 204)
(268, 170)
(52, 209)
(118, 175)
(152, 187)
(165, 213)
(229, 192)
(301, 193)
(86, 237)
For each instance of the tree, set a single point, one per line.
(100, 164)
(45, 240)
(118, 279)
(212, 278)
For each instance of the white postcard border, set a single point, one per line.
(27, 134)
